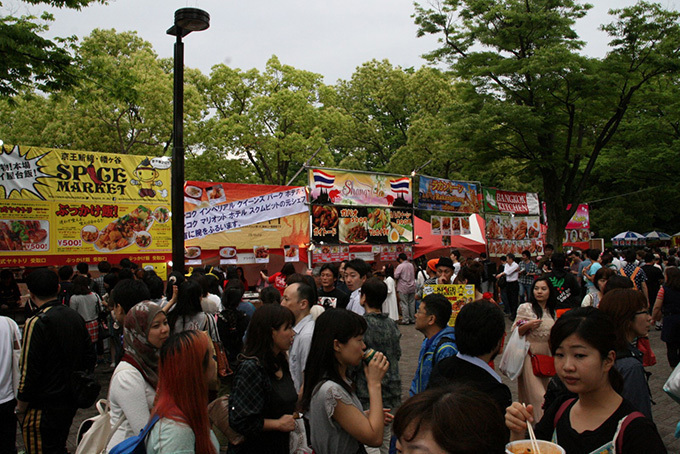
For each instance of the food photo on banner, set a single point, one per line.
(66, 206)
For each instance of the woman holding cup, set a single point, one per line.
(338, 423)
(583, 342)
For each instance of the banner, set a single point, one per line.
(228, 216)
(446, 195)
(499, 248)
(287, 229)
(358, 225)
(502, 227)
(340, 187)
(458, 295)
(496, 200)
(581, 218)
(64, 207)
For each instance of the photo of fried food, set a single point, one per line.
(143, 239)
(521, 230)
(378, 218)
(508, 231)
(493, 228)
(435, 223)
(20, 235)
(533, 231)
(352, 232)
(446, 223)
(324, 217)
(121, 233)
(261, 252)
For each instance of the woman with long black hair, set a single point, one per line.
(338, 423)
(263, 397)
(534, 320)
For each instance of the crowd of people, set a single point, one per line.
(319, 357)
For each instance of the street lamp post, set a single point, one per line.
(187, 20)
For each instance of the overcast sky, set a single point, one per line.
(330, 37)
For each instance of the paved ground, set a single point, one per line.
(666, 412)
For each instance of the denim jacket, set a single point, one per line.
(427, 352)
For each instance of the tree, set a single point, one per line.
(31, 61)
(544, 104)
(267, 122)
(121, 104)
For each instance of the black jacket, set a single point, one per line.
(56, 344)
(455, 370)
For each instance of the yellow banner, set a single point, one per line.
(60, 206)
(31, 173)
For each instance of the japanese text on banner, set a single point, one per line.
(206, 221)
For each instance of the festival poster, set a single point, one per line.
(361, 225)
(458, 295)
(496, 200)
(446, 225)
(446, 195)
(390, 253)
(340, 187)
(64, 206)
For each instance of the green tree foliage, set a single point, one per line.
(267, 122)
(31, 61)
(545, 105)
(121, 104)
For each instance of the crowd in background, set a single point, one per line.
(316, 364)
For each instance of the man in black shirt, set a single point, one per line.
(329, 296)
(56, 344)
(480, 327)
(568, 290)
(654, 278)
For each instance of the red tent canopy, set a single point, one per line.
(426, 243)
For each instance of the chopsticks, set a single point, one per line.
(532, 437)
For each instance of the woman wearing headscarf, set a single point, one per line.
(133, 385)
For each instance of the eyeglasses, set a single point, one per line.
(641, 312)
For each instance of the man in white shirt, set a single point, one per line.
(356, 273)
(511, 272)
(297, 297)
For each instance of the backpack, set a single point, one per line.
(632, 276)
(136, 444)
(64, 296)
(95, 433)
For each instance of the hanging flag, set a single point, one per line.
(323, 180)
(400, 185)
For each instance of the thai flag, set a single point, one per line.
(323, 180)
(400, 185)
